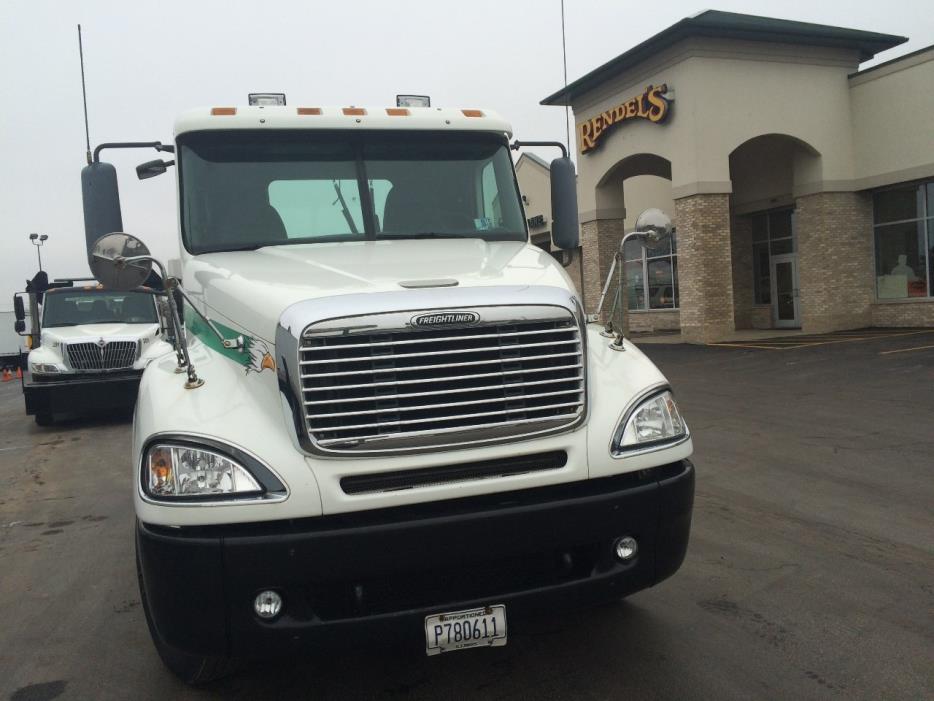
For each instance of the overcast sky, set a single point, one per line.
(147, 61)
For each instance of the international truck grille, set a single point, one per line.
(418, 387)
(112, 355)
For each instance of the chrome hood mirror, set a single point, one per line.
(655, 225)
(120, 261)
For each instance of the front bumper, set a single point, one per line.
(374, 576)
(82, 393)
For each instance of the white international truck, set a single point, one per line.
(389, 418)
(88, 348)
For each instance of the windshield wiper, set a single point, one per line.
(347, 215)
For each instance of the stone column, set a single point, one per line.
(835, 275)
(705, 275)
(600, 241)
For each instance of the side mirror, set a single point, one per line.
(565, 231)
(19, 326)
(151, 169)
(19, 309)
(120, 261)
(101, 200)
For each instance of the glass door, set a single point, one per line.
(784, 271)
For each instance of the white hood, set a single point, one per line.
(249, 290)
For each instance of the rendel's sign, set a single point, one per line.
(651, 105)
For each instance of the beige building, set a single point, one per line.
(801, 188)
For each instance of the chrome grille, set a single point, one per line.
(383, 389)
(113, 355)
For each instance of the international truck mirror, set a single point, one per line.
(19, 309)
(120, 261)
(564, 224)
(101, 200)
(151, 169)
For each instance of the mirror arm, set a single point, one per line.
(171, 284)
(516, 145)
(158, 145)
(227, 342)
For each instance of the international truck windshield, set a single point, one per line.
(244, 189)
(78, 307)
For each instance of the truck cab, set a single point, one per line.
(397, 421)
(93, 347)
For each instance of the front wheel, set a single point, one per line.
(191, 669)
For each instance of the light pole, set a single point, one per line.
(37, 241)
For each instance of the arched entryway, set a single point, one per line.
(767, 172)
(627, 188)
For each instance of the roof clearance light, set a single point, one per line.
(397, 111)
(309, 110)
(267, 99)
(413, 101)
(218, 111)
(354, 111)
(472, 113)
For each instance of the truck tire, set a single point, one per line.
(45, 419)
(191, 669)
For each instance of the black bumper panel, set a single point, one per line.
(82, 393)
(375, 576)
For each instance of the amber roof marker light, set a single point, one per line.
(316, 111)
(222, 111)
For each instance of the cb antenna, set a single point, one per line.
(84, 95)
(564, 53)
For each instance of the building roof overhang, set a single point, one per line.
(730, 25)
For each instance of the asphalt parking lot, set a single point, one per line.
(810, 572)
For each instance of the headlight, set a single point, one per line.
(654, 422)
(175, 471)
(44, 368)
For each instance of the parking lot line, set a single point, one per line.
(791, 343)
(905, 350)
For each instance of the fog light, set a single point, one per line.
(267, 604)
(626, 548)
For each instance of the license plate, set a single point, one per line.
(459, 630)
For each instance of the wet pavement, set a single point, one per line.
(810, 573)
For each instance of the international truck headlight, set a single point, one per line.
(175, 471)
(654, 422)
(44, 368)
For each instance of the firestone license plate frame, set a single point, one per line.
(467, 622)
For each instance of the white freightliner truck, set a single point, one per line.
(391, 419)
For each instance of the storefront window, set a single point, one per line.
(904, 237)
(772, 235)
(652, 275)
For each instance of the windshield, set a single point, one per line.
(97, 307)
(246, 189)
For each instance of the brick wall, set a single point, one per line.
(705, 267)
(835, 276)
(650, 322)
(903, 314)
